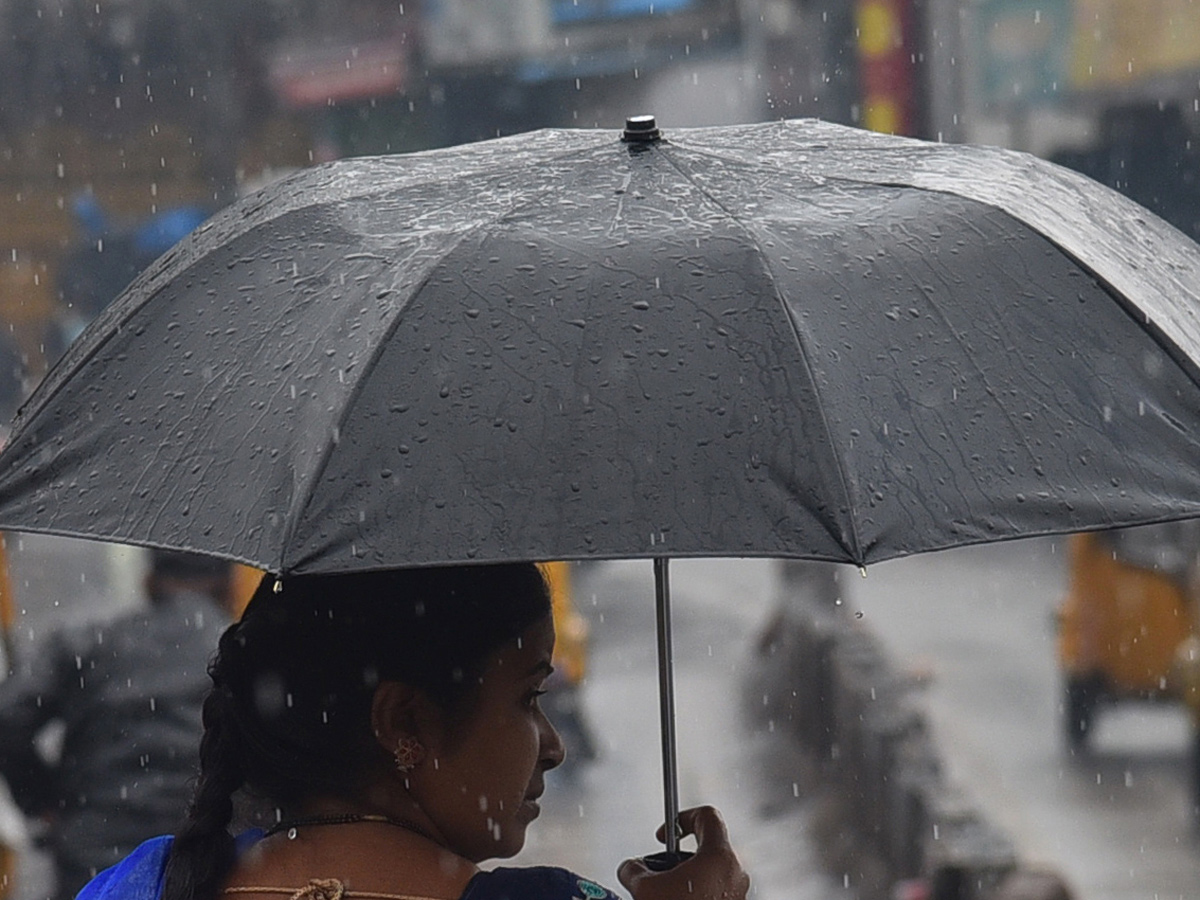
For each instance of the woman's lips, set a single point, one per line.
(530, 810)
(530, 806)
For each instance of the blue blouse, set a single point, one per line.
(140, 877)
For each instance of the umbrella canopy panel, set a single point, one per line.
(666, 351)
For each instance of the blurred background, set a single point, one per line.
(126, 123)
(123, 123)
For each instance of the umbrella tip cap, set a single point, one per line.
(641, 129)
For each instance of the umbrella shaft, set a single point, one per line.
(666, 702)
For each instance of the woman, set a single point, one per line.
(391, 718)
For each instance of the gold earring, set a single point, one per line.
(409, 753)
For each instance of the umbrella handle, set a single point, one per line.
(666, 703)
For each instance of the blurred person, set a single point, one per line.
(14, 844)
(31, 318)
(1032, 884)
(99, 729)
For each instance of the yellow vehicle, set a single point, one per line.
(1127, 627)
(564, 702)
(570, 628)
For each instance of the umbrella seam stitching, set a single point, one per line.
(372, 361)
(1153, 327)
(856, 550)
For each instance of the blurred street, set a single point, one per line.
(975, 624)
(596, 814)
(978, 624)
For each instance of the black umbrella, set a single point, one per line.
(790, 339)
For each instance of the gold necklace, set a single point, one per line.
(290, 826)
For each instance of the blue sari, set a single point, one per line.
(140, 877)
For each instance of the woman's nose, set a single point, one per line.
(553, 751)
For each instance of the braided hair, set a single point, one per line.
(289, 711)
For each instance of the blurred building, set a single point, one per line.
(1108, 87)
(152, 108)
(498, 68)
(145, 109)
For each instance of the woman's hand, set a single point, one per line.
(714, 873)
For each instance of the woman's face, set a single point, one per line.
(483, 775)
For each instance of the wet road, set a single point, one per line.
(978, 622)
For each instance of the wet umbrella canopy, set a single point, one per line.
(791, 339)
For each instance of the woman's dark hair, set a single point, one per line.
(289, 713)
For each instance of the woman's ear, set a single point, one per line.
(395, 714)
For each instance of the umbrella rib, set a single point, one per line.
(1152, 326)
(856, 551)
(979, 371)
(1159, 331)
(1028, 207)
(377, 351)
(352, 398)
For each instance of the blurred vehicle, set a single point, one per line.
(1127, 628)
(242, 584)
(564, 702)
